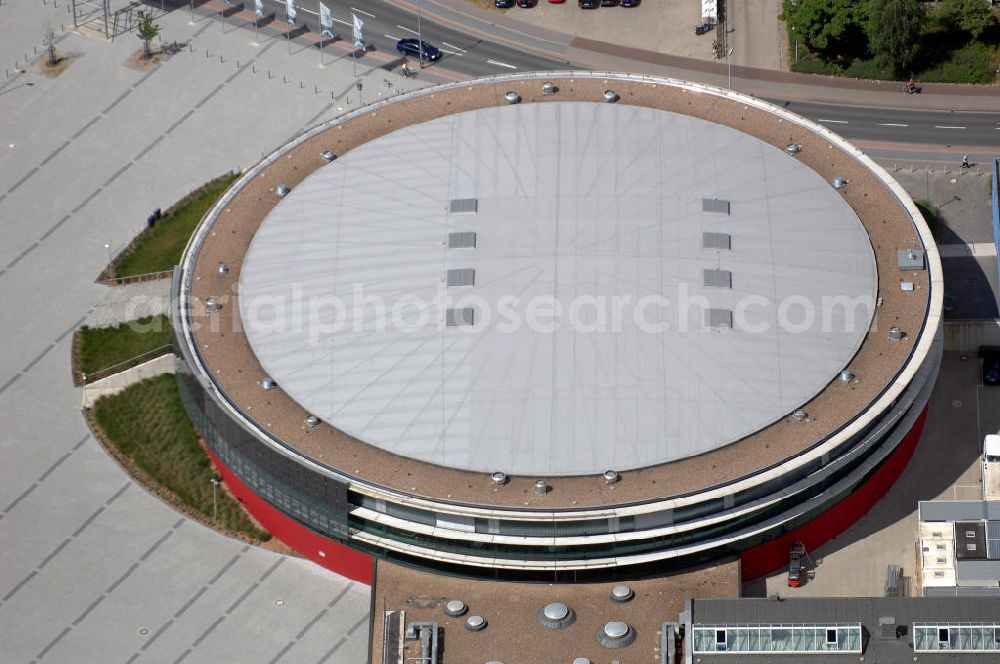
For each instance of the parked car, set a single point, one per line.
(413, 47)
(629, 3)
(527, 4)
(504, 4)
(590, 4)
(991, 371)
(556, 2)
(609, 3)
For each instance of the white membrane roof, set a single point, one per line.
(594, 207)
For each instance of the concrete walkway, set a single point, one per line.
(92, 568)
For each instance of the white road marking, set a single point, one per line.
(501, 64)
(337, 20)
(444, 50)
(463, 51)
(355, 9)
(412, 32)
(892, 124)
(391, 37)
(832, 121)
(947, 127)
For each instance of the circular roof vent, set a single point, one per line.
(498, 478)
(793, 148)
(475, 623)
(282, 190)
(615, 635)
(548, 88)
(611, 476)
(222, 268)
(581, 660)
(328, 156)
(556, 616)
(268, 383)
(895, 333)
(541, 488)
(512, 97)
(799, 415)
(212, 305)
(312, 421)
(455, 608)
(846, 375)
(610, 96)
(621, 594)
(839, 182)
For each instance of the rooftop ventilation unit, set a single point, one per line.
(910, 259)
(463, 206)
(465, 276)
(719, 318)
(512, 97)
(717, 278)
(498, 478)
(282, 190)
(887, 627)
(800, 415)
(455, 608)
(611, 476)
(460, 317)
(615, 635)
(268, 383)
(556, 616)
(222, 269)
(839, 182)
(621, 594)
(610, 96)
(548, 88)
(793, 149)
(716, 241)
(541, 488)
(462, 240)
(328, 156)
(312, 421)
(717, 205)
(896, 334)
(212, 305)
(475, 623)
(846, 376)
(581, 660)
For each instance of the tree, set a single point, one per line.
(834, 27)
(49, 42)
(894, 28)
(147, 32)
(972, 16)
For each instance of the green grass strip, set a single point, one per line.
(159, 248)
(148, 424)
(106, 347)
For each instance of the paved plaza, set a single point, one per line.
(93, 568)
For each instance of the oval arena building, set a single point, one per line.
(560, 326)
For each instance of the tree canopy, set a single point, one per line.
(972, 16)
(831, 26)
(894, 28)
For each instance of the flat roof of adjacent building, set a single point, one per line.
(868, 611)
(598, 210)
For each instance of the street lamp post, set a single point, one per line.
(420, 40)
(215, 500)
(729, 62)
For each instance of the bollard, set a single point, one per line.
(301, 85)
(206, 54)
(221, 61)
(315, 90)
(253, 69)
(237, 64)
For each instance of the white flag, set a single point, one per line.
(358, 24)
(325, 21)
(259, 8)
(290, 12)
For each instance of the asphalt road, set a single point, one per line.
(385, 24)
(902, 125)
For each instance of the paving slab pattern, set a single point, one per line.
(92, 567)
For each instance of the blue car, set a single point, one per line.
(413, 47)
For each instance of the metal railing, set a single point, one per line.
(137, 278)
(95, 376)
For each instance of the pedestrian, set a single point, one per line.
(965, 161)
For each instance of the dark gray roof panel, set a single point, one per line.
(462, 240)
(953, 510)
(978, 570)
(717, 278)
(465, 276)
(464, 206)
(716, 205)
(716, 241)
